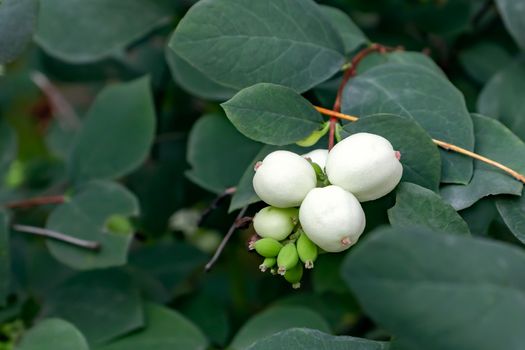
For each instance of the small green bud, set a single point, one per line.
(312, 139)
(294, 276)
(119, 224)
(287, 258)
(267, 264)
(268, 247)
(307, 251)
(338, 130)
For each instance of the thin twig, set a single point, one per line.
(454, 148)
(335, 114)
(445, 145)
(58, 236)
(215, 204)
(64, 112)
(33, 202)
(225, 240)
(351, 71)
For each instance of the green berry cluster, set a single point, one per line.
(285, 249)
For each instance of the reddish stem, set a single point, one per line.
(33, 202)
(350, 72)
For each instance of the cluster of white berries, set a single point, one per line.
(314, 200)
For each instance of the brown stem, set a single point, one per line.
(351, 71)
(215, 204)
(64, 112)
(225, 240)
(33, 202)
(57, 236)
(445, 145)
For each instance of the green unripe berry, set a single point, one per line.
(307, 251)
(267, 263)
(287, 258)
(294, 276)
(276, 223)
(312, 139)
(268, 247)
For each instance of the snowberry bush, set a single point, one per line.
(262, 174)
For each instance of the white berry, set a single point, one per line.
(276, 223)
(317, 156)
(366, 165)
(332, 218)
(283, 179)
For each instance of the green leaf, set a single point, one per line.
(166, 330)
(103, 304)
(274, 320)
(311, 339)
(350, 33)
(117, 134)
(513, 15)
(218, 154)
(5, 260)
(96, 28)
(512, 210)
(287, 42)
(195, 82)
(326, 277)
(419, 155)
(503, 97)
(479, 216)
(210, 316)
(417, 206)
(421, 94)
(8, 148)
(494, 141)
(17, 23)
(482, 60)
(424, 288)
(409, 58)
(53, 334)
(272, 114)
(85, 217)
(170, 263)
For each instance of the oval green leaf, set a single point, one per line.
(421, 284)
(53, 334)
(287, 42)
(195, 82)
(513, 14)
(17, 23)
(166, 330)
(103, 304)
(117, 134)
(97, 28)
(502, 98)
(272, 114)
(417, 206)
(274, 320)
(512, 210)
(312, 339)
(349, 32)
(218, 154)
(85, 217)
